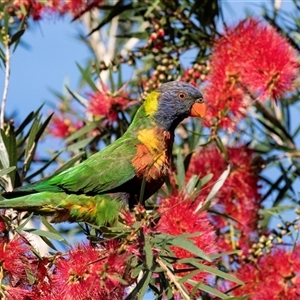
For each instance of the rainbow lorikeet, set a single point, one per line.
(94, 190)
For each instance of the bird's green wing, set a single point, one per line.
(103, 171)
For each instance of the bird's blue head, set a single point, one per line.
(174, 101)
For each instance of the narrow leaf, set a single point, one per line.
(47, 234)
(82, 131)
(214, 190)
(180, 170)
(207, 289)
(53, 230)
(6, 171)
(189, 246)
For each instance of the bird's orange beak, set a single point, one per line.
(198, 110)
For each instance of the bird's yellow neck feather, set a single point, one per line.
(151, 103)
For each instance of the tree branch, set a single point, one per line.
(6, 84)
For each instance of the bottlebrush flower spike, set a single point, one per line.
(16, 258)
(90, 272)
(274, 276)
(271, 66)
(238, 197)
(77, 7)
(2, 224)
(16, 293)
(249, 58)
(107, 105)
(178, 217)
(62, 126)
(42, 288)
(39, 9)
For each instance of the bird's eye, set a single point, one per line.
(200, 100)
(181, 95)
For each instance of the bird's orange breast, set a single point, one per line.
(153, 154)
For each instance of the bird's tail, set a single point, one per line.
(98, 209)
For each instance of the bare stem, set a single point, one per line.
(6, 84)
(173, 279)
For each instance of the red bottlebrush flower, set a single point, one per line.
(127, 217)
(38, 9)
(89, 272)
(251, 57)
(108, 105)
(275, 276)
(2, 225)
(178, 217)
(226, 100)
(16, 293)
(269, 66)
(16, 258)
(238, 197)
(42, 288)
(78, 7)
(62, 127)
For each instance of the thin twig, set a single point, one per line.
(173, 279)
(6, 83)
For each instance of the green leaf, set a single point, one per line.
(137, 34)
(211, 270)
(28, 119)
(87, 77)
(82, 131)
(180, 177)
(152, 7)
(4, 158)
(39, 171)
(142, 190)
(221, 147)
(78, 146)
(189, 246)
(46, 234)
(115, 10)
(22, 28)
(207, 289)
(21, 226)
(83, 101)
(53, 230)
(276, 127)
(278, 209)
(30, 276)
(16, 37)
(206, 179)
(218, 255)
(9, 140)
(136, 271)
(6, 171)
(36, 131)
(148, 254)
(5, 17)
(187, 161)
(191, 185)
(141, 287)
(48, 242)
(11, 147)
